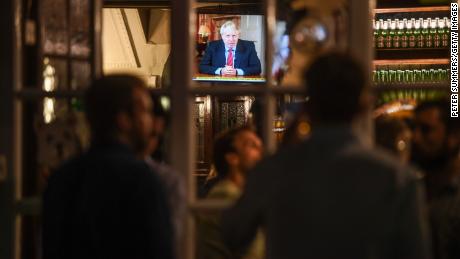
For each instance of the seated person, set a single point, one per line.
(230, 56)
(235, 153)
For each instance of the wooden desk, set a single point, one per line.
(214, 78)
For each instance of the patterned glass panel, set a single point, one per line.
(232, 115)
(62, 137)
(224, 117)
(81, 75)
(54, 27)
(80, 28)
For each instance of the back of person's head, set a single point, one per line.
(335, 85)
(443, 107)
(223, 145)
(105, 99)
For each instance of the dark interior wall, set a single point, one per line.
(6, 127)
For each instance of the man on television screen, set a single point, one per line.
(230, 56)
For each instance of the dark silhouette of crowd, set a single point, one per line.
(325, 194)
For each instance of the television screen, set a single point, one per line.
(230, 48)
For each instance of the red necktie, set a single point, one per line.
(230, 58)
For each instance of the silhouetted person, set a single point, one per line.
(331, 197)
(172, 180)
(393, 135)
(106, 203)
(436, 151)
(235, 153)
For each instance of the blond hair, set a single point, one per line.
(228, 25)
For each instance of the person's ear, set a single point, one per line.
(124, 122)
(232, 159)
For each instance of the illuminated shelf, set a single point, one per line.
(412, 9)
(422, 53)
(441, 86)
(426, 61)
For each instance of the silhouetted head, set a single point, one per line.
(119, 109)
(335, 85)
(436, 135)
(238, 149)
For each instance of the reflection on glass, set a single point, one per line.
(137, 41)
(281, 53)
(54, 27)
(79, 22)
(81, 74)
(49, 84)
(199, 115)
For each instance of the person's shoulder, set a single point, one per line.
(382, 162)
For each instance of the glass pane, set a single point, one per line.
(54, 74)
(79, 27)
(290, 124)
(301, 34)
(214, 115)
(54, 130)
(230, 45)
(138, 41)
(54, 27)
(81, 74)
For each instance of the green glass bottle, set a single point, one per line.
(380, 35)
(391, 35)
(399, 76)
(433, 75)
(386, 97)
(392, 76)
(410, 33)
(437, 34)
(419, 37)
(404, 36)
(376, 33)
(384, 76)
(396, 37)
(425, 34)
(400, 94)
(429, 37)
(445, 33)
(422, 95)
(417, 76)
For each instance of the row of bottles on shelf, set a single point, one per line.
(410, 76)
(419, 95)
(413, 33)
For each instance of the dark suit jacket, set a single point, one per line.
(106, 204)
(332, 198)
(245, 58)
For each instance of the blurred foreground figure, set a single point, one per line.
(107, 203)
(174, 185)
(436, 152)
(331, 197)
(235, 153)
